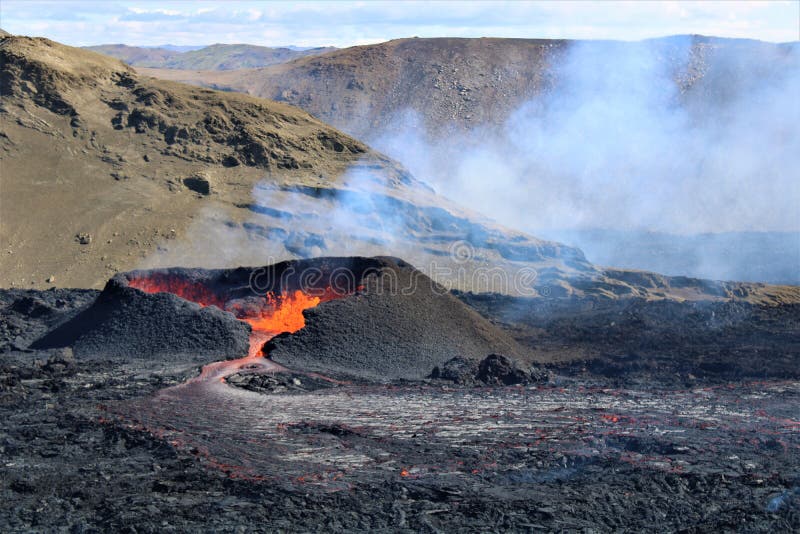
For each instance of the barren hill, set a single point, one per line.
(104, 170)
(466, 81)
(213, 57)
(459, 84)
(136, 55)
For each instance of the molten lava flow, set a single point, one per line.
(208, 392)
(269, 316)
(284, 313)
(192, 291)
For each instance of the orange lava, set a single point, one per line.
(192, 291)
(285, 313)
(277, 314)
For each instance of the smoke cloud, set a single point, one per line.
(680, 136)
(631, 155)
(623, 142)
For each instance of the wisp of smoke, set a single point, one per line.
(678, 135)
(618, 143)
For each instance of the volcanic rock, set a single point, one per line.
(278, 382)
(399, 326)
(639, 339)
(128, 323)
(497, 369)
(459, 370)
(31, 307)
(198, 184)
(586, 455)
(60, 361)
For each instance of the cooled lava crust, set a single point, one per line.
(370, 318)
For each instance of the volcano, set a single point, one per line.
(314, 396)
(332, 387)
(370, 318)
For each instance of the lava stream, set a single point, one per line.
(267, 316)
(204, 415)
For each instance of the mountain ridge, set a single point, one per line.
(134, 172)
(212, 57)
(166, 156)
(455, 84)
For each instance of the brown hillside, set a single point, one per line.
(104, 170)
(90, 148)
(458, 84)
(450, 81)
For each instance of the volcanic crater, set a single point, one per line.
(381, 318)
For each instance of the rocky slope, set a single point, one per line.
(214, 57)
(458, 84)
(106, 170)
(463, 81)
(103, 168)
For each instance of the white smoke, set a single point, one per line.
(631, 140)
(617, 145)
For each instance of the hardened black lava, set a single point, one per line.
(644, 430)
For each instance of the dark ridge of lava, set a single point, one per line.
(395, 322)
(399, 326)
(128, 323)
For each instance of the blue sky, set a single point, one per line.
(349, 23)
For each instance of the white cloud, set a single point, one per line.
(348, 23)
(142, 11)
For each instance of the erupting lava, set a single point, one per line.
(192, 291)
(285, 315)
(268, 316)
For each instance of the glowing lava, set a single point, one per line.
(284, 313)
(192, 291)
(268, 316)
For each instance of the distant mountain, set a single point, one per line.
(771, 257)
(237, 56)
(303, 48)
(460, 84)
(178, 48)
(214, 57)
(135, 55)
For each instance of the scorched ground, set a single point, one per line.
(98, 442)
